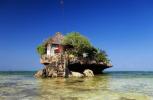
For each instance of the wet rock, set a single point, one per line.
(39, 74)
(51, 71)
(88, 73)
(54, 74)
(76, 74)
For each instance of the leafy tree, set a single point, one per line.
(82, 45)
(41, 49)
(78, 41)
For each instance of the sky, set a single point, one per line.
(123, 28)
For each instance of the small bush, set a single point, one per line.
(102, 57)
(41, 50)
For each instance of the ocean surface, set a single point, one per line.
(109, 86)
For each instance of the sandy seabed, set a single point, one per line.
(109, 86)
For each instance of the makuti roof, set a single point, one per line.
(56, 39)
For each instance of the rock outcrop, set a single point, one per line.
(51, 71)
(71, 68)
(63, 58)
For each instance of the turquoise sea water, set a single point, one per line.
(109, 86)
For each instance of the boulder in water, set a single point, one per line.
(88, 73)
(76, 74)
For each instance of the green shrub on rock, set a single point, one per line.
(41, 49)
(78, 41)
(102, 57)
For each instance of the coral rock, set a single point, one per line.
(39, 74)
(88, 73)
(76, 74)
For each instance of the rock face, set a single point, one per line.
(62, 69)
(88, 73)
(51, 71)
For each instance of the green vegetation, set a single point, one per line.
(92, 52)
(82, 45)
(102, 57)
(78, 41)
(41, 49)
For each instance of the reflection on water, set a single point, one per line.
(110, 86)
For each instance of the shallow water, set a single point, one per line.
(109, 86)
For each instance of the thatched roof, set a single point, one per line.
(56, 39)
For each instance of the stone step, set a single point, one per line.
(60, 74)
(61, 70)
